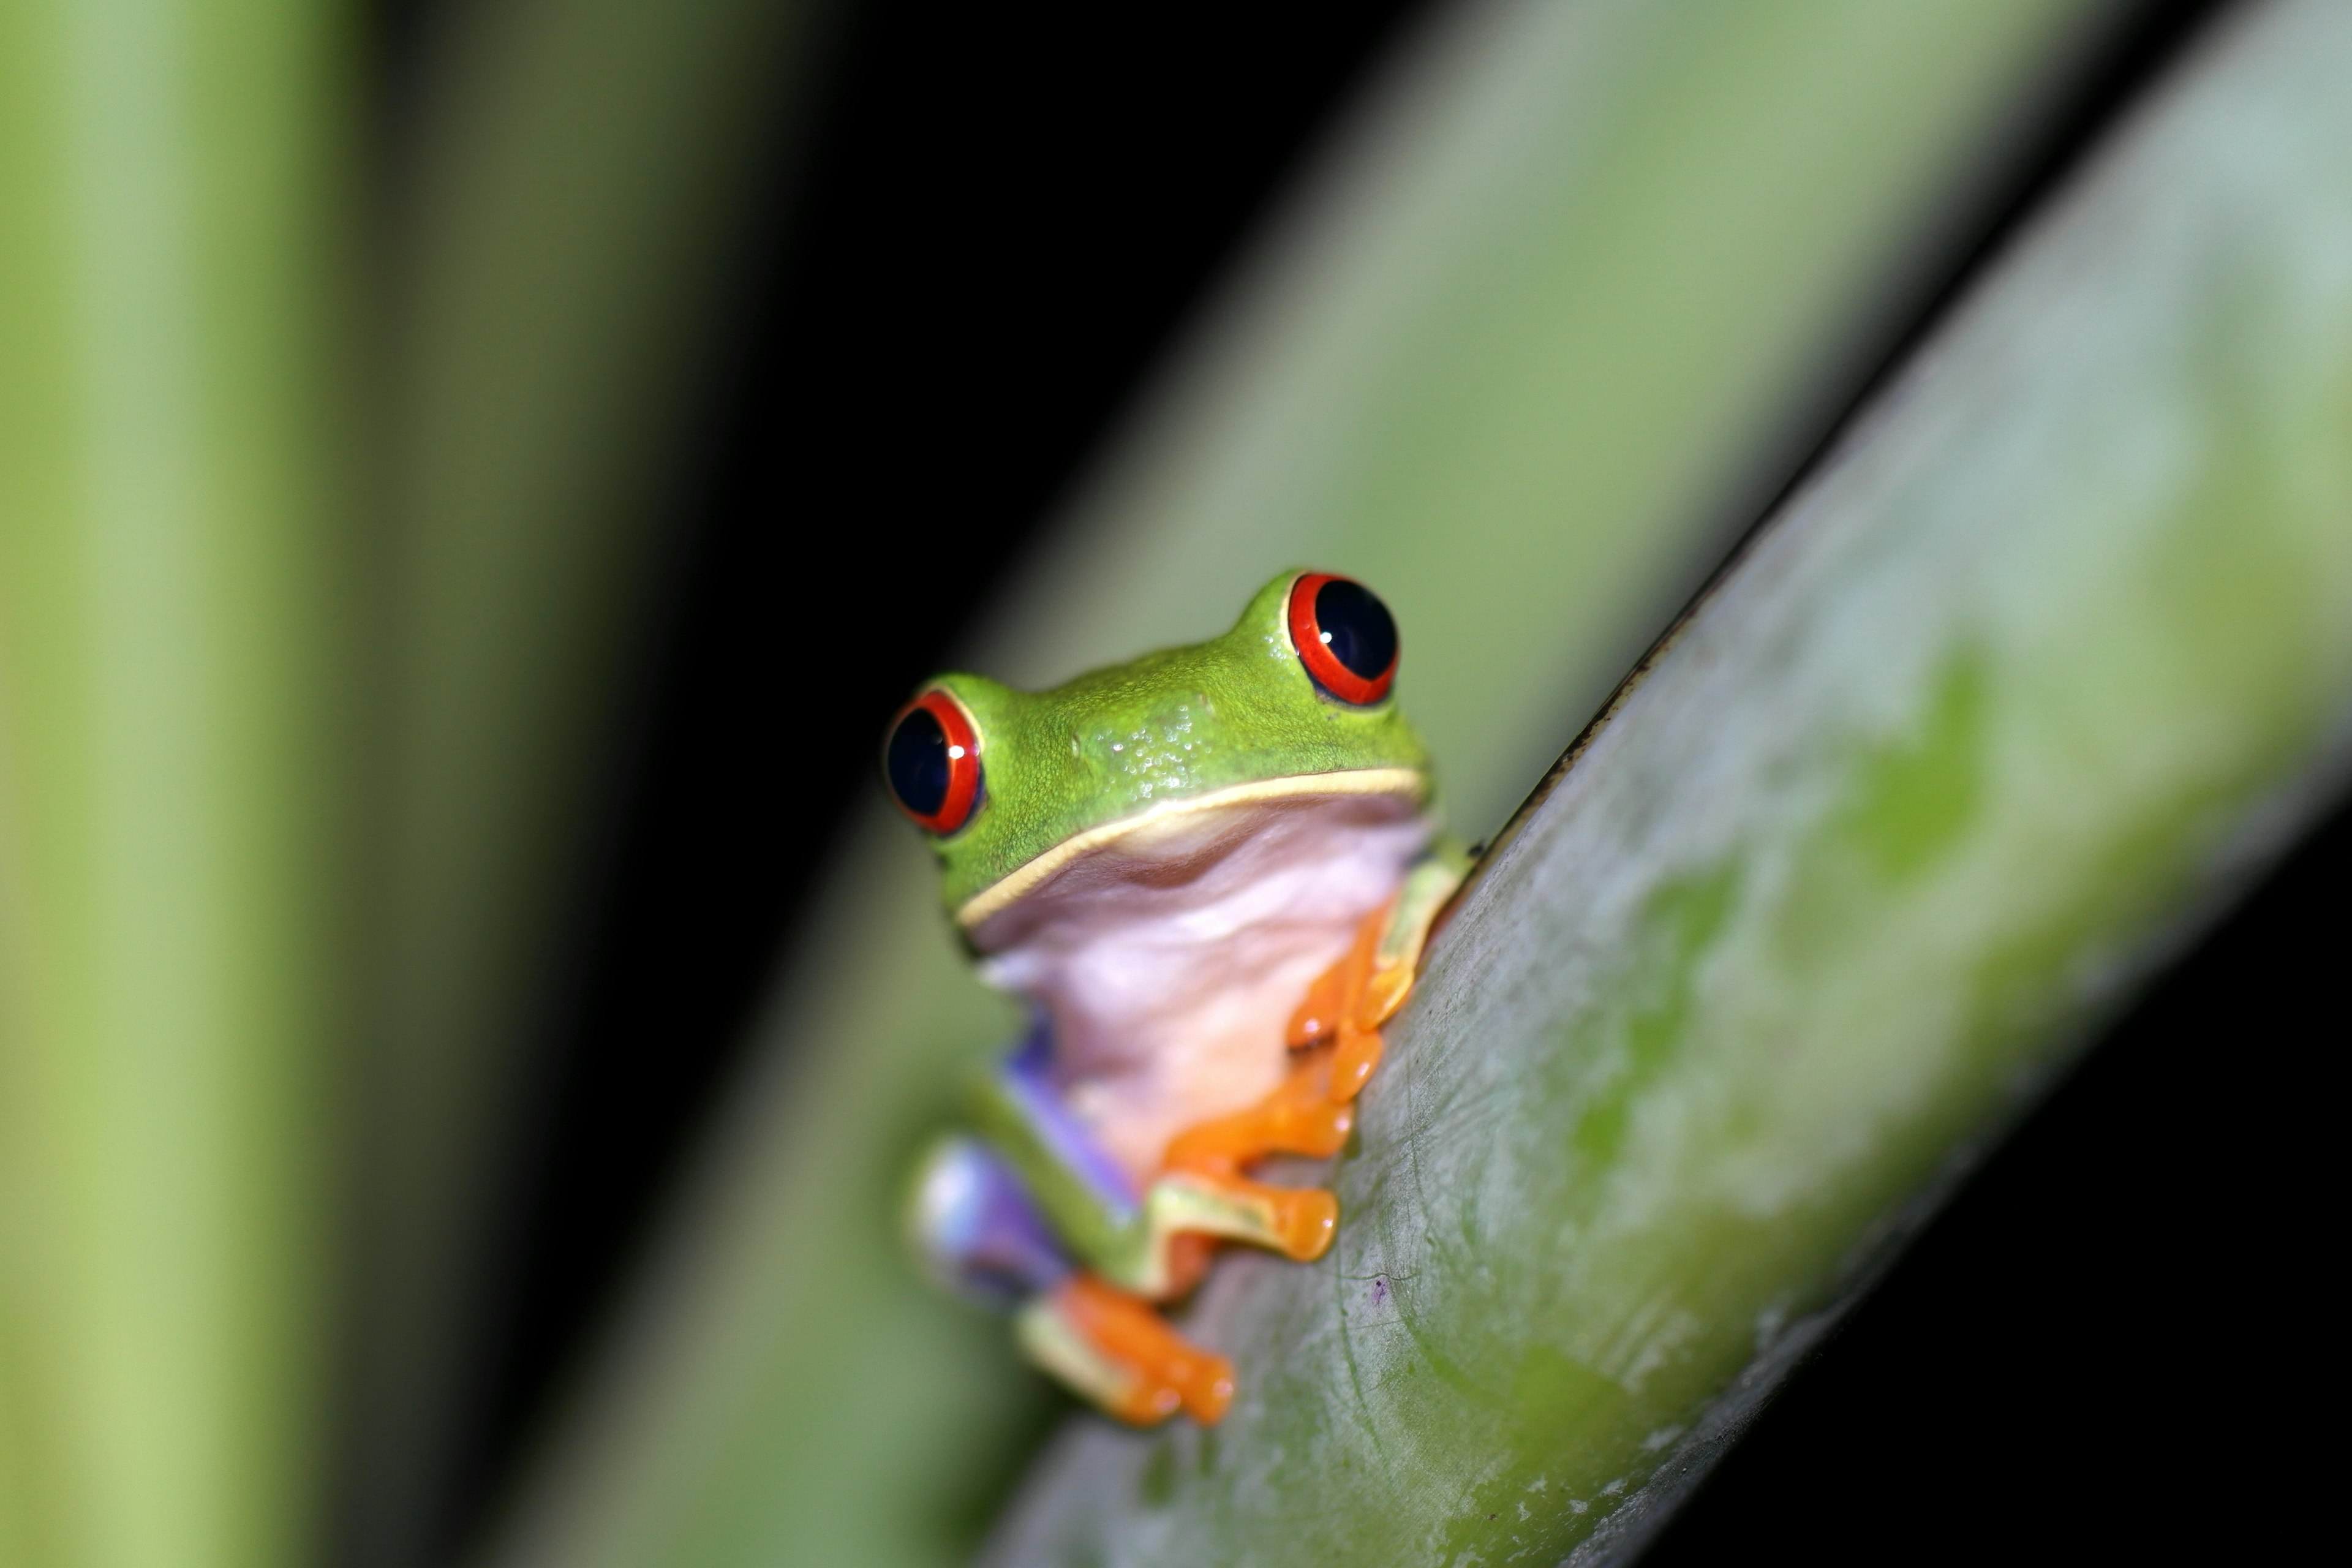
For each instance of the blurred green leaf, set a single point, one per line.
(573, 219)
(2057, 648)
(1555, 312)
(173, 647)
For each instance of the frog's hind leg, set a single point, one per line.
(980, 1233)
(976, 1228)
(1146, 1242)
(1114, 1349)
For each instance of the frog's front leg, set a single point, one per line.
(1133, 1238)
(1087, 1317)
(983, 1236)
(1337, 1032)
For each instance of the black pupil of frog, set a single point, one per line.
(1356, 627)
(917, 762)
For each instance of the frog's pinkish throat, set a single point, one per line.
(1170, 959)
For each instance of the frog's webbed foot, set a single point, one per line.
(1337, 1032)
(1312, 1112)
(1200, 1191)
(1114, 1349)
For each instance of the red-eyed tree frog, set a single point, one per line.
(1211, 872)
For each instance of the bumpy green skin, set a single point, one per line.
(1238, 708)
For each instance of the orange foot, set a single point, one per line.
(1154, 1370)
(1347, 1005)
(1313, 1111)
(1299, 1118)
(1337, 1031)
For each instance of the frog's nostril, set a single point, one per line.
(1345, 637)
(932, 761)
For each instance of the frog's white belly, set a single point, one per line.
(1171, 963)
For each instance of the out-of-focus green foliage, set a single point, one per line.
(1568, 291)
(572, 203)
(172, 647)
(2057, 647)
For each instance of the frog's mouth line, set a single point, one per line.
(1008, 888)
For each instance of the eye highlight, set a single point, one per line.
(1345, 637)
(932, 761)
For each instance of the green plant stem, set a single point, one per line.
(172, 613)
(2056, 649)
(573, 215)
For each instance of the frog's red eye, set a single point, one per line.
(1345, 637)
(932, 761)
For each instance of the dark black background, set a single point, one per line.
(1001, 218)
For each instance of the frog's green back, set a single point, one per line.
(1238, 710)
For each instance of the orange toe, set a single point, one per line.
(1206, 1387)
(1169, 1372)
(1306, 1220)
(1149, 1404)
(1352, 1061)
(1318, 1132)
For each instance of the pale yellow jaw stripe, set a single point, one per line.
(1002, 893)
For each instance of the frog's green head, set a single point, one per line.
(1294, 701)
